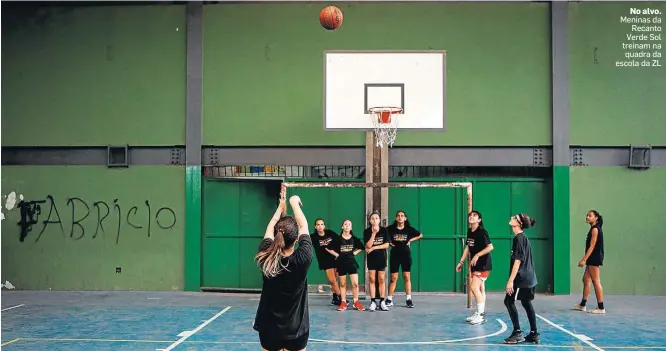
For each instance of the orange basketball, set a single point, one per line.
(330, 17)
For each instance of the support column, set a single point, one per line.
(377, 171)
(193, 141)
(369, 192)
(561, 181)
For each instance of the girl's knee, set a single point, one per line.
(354, 285)
(381, 279)
(509, 301)
(394, 278)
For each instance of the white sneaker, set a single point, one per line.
(478, 319)
(470, 318)
(373, 306)
(382, 306)
(579, 307)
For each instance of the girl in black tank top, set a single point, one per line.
(593, 260)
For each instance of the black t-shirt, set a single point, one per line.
(522, 250)
(345, 248)
(382, 237)
(477, 241)
(321, 242)
(401, 237)
(283, 307)
(598, 251)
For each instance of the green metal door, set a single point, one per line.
(334, 205)
(497, 201)
(440, 214)
(235, 215)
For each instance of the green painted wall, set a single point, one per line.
(632, 203)
(83, 251)
(612, 105)
(270, 76)
(94, 76)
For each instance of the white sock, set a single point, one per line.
(389, 297)
(481, 307)
(409, 297)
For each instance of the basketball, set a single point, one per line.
(330, 17)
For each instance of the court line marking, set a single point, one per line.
(580, 337)
(503, 329)
(10, 342)
(13, 307)
(186, 334)
(316, 342)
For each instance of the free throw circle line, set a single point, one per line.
(503, 329)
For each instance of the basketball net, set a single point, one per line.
(385, 124)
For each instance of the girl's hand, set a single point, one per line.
(459, 267)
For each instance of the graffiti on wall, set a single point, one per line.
(90, 218)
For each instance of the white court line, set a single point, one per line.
(580, 337)
(13, 307)
(503, 329)
(186, 334)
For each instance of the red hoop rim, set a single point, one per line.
(384, 113)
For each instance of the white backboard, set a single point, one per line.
(357, 80)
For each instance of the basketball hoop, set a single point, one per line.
(385, 124)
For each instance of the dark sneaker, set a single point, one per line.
(532, 337)
(335, 301)
(389, 303)
(410, 304)
(515, 338)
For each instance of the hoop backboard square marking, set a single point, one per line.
(354, 78)
(384, 95)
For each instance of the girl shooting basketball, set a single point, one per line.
(376, 244)
(478, 248)
(345, 252)
(522, 280)
(594, 259)
(402, 234)
(282, 318)
(321, 239)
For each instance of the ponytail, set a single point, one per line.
(270, 260)
(600, 219)
(532, 222)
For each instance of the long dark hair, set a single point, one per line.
(270, 260)
(478, 214)
(407, 224)
(600, 219)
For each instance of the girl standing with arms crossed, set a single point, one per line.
(402, 234)
(283, 317)
(478, 248)
(376, 240)
(594, 258)
(522, 280)
(321, 239)
(345, 252)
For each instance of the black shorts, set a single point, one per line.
(521, 294)
(347, 269)
(400, 260)
(595, 261)
(326, 264)
(377, 262)
(275, 344)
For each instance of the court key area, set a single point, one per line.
(77, 321)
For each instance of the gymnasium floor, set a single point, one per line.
(118, 321)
